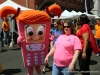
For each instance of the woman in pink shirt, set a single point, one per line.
(66, 51)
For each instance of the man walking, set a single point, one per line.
(97, 34)
(6, 29)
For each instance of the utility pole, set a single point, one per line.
(27, 3)
(86, 6)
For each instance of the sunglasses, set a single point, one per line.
(66, 26)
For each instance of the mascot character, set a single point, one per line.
(34, 30)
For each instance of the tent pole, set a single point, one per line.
(86, 6)
(27, 3)
(12, 30)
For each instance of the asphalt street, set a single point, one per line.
(12, 64)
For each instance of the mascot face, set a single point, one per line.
(35, 36)
(35, 33)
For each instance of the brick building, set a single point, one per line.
(77, 5)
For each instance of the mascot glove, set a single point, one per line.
(20, 40)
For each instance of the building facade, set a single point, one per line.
(77, 5)
(96, 9)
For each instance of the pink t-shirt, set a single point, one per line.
(65, 46)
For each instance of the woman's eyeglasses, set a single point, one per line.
(66, 26)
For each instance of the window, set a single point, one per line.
(63, 0)
(73, 1)
(70, 1)
(79, 2)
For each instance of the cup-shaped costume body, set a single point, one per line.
(34, 41)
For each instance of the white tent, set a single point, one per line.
(65, 15)
(89, 15)
(74, 13)
(13, 4)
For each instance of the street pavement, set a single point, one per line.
(12, 63)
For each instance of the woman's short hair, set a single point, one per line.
(84, 19)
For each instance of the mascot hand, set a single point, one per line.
(20, 40)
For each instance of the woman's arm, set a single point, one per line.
(49, 54)
(86, 40)
(51, 44)
(73, 62)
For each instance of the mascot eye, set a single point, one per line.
(30, 31)
(40, 30)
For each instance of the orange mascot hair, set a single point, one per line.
(31, 16)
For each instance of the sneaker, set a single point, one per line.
(97, 55)
(5, 45)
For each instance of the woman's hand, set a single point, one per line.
(84, 55)
(71, 68)
(46, 60)
(56, 35)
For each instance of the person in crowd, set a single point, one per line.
(77, 27)
(6, 29)
(97, 34)
(54, 34)
(65, 50)
(83, 34)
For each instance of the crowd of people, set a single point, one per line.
(70, 42)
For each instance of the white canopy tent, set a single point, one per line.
(77, 14)
(89, 15)
(13, 4)
(65, 15)
(74, 13)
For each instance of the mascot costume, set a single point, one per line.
(33, 29)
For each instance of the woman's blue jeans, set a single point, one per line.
(60, 70)
(98, 42)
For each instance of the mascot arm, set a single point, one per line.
(20, 39)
